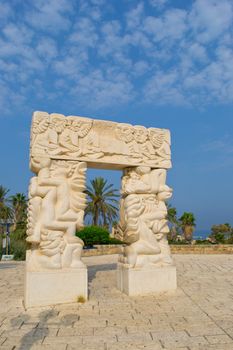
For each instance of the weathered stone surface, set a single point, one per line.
(99, 143)
(61, 149)
(55, 286)
(155, 280)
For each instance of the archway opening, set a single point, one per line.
(105, 264)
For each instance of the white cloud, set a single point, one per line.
(158, 3)
(50, 15)
(164, 88)
(84, 33)
(174, 56)
(135, 16)
(106, 90)
(172, 24)
(5, 12)
(223, 145)
(17, 34)
(210, 18)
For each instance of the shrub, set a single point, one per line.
(176, 242)
(115, 241)
(18, 245)
(202, 241)
(18, 249)
(96, 235)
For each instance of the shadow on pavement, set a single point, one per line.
(92, 270)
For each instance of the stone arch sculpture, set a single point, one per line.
(61, 149)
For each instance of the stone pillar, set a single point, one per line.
(146, 265)
(54, 270)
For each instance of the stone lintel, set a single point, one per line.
(100, 143)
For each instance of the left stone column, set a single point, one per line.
(54, 270)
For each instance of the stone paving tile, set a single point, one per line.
(133, 346)
(198, 316)
(219, 339)
(41, 347)
(87, 347)
(212, 347)
(139, 337)
(203, 329)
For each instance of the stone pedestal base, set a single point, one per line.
(146, 280)
(55, 286)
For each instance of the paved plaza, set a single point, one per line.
(198, 316)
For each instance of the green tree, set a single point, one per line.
(19, 207)
(221, 233)
(187, 221)
(102, 202)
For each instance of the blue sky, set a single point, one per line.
(159, 63)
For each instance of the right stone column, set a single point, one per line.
(146, 266)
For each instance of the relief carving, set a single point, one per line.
(55, 212)
(91, 140)
(143, 217)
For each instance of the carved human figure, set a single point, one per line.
(56, 126)
(144, 216)
(39, 134)
(144, 145)
(89, 141)
(69, 140)
(46, 131)
(160, 142)
(124, 132)
(78, 139)
(56, 210)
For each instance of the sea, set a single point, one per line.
(201, 234)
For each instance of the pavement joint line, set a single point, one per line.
(208, 315)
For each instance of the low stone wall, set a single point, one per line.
(175, 249)
(202, 249)
(104, 249)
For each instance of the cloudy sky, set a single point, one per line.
(160, 63)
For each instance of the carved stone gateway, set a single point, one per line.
(61, 150)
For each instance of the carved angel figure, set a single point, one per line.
(79, 139)
(39, 132)
(145, 147)
(56, 210)
(46, 131)
(143, 217)
(160, 143)
(124, 132)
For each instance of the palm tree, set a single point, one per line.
(19, 206)
(101, 202)
(5, 210)
(187, 224)
(3, 193)
(172, 219)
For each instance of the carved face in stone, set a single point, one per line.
(58, 123)
(85, 128)
(40, 124)
(140, 134)
(59, 170)
(82, 127)
(156, 137)
(134, 175)
(75, 125)
(124, 132)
